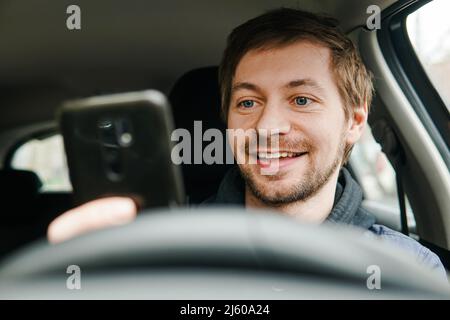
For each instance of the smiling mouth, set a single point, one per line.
(267, 156)
(275, 160)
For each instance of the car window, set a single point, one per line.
(47, 159)
(374, 171)
(376, 174)
(429, 31)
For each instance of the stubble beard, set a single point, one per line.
(303, 189)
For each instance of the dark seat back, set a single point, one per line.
(19, 190)
(195, 97)
(20, 216)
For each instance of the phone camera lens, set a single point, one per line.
(105, 124)
(124, 132)
(126, 139)
(107, 132)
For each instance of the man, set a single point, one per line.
(293, 76)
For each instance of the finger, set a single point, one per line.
(91, 216)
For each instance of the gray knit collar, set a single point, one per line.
(347, 203)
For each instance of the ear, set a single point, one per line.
(356, 124)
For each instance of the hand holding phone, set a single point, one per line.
(119, 145)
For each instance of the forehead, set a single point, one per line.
(276, 66)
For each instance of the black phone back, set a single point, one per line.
(119, 145)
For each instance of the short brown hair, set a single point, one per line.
(281, 27)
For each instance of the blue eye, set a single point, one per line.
(247, 103)
(302, 101)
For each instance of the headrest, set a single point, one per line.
(196, 97)
(18, 183)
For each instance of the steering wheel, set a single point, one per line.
(218, 253)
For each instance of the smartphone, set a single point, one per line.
(119, 145)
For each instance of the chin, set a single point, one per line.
(273, 188)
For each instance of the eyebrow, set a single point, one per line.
(306, 82)
(245, 86)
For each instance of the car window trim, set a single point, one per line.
(412, 78)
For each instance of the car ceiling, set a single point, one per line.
(123, 45)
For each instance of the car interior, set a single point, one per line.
(175, 46)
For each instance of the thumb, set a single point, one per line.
(93, 215)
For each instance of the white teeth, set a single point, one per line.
(276, 155)
(269, 155)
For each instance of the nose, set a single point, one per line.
(273, 120)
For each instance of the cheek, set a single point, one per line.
(323, 135)
(237, 127)
(237, 121)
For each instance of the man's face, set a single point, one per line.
(290, 90)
